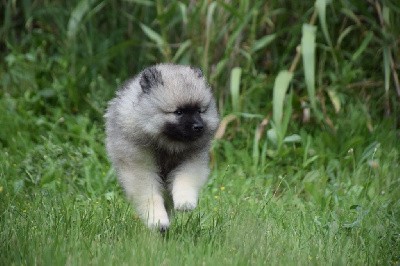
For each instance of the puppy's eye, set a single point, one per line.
(202, 110)
(178, 112)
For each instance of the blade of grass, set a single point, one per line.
(320, 5)
(386, 68)
(209, 20)
(350, 14)
(158, 39)
(263, 42)
(76, 17)
(386, 71)
(363, 46)
(223, 125)
(184, 12)
(287, 114)
(152, 35)
(219, 69)
(256, 149)
(343, 34)
(259, 132)
(182, 49)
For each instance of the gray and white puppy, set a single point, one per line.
(159, 128)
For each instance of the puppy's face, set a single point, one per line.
(187, 126)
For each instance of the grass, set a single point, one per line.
(324, 190)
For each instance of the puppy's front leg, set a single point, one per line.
(143, 188)
(187, 181)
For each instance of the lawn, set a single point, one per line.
(311, 177)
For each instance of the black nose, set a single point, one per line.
(197, 127)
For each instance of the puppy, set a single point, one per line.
(159, 129)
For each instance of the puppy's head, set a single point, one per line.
(177, 105)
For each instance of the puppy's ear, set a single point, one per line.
(197, 71)
(150, 77)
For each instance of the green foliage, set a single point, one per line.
(289, 183)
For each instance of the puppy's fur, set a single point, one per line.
(159, 128)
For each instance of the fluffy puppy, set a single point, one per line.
(159, 128)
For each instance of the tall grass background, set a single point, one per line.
(305, 164)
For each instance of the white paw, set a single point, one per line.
(185, 201)
(160, 222)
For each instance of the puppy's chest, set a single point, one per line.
(167, 162)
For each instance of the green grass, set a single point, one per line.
(325, 192)
(315, 203)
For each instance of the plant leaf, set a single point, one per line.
(183, 9)
(272, 136)
(321, 8)
(292, 138)
(281, 86)
(235, 86)
(308, 51)
(335, 100)
(76, 17)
